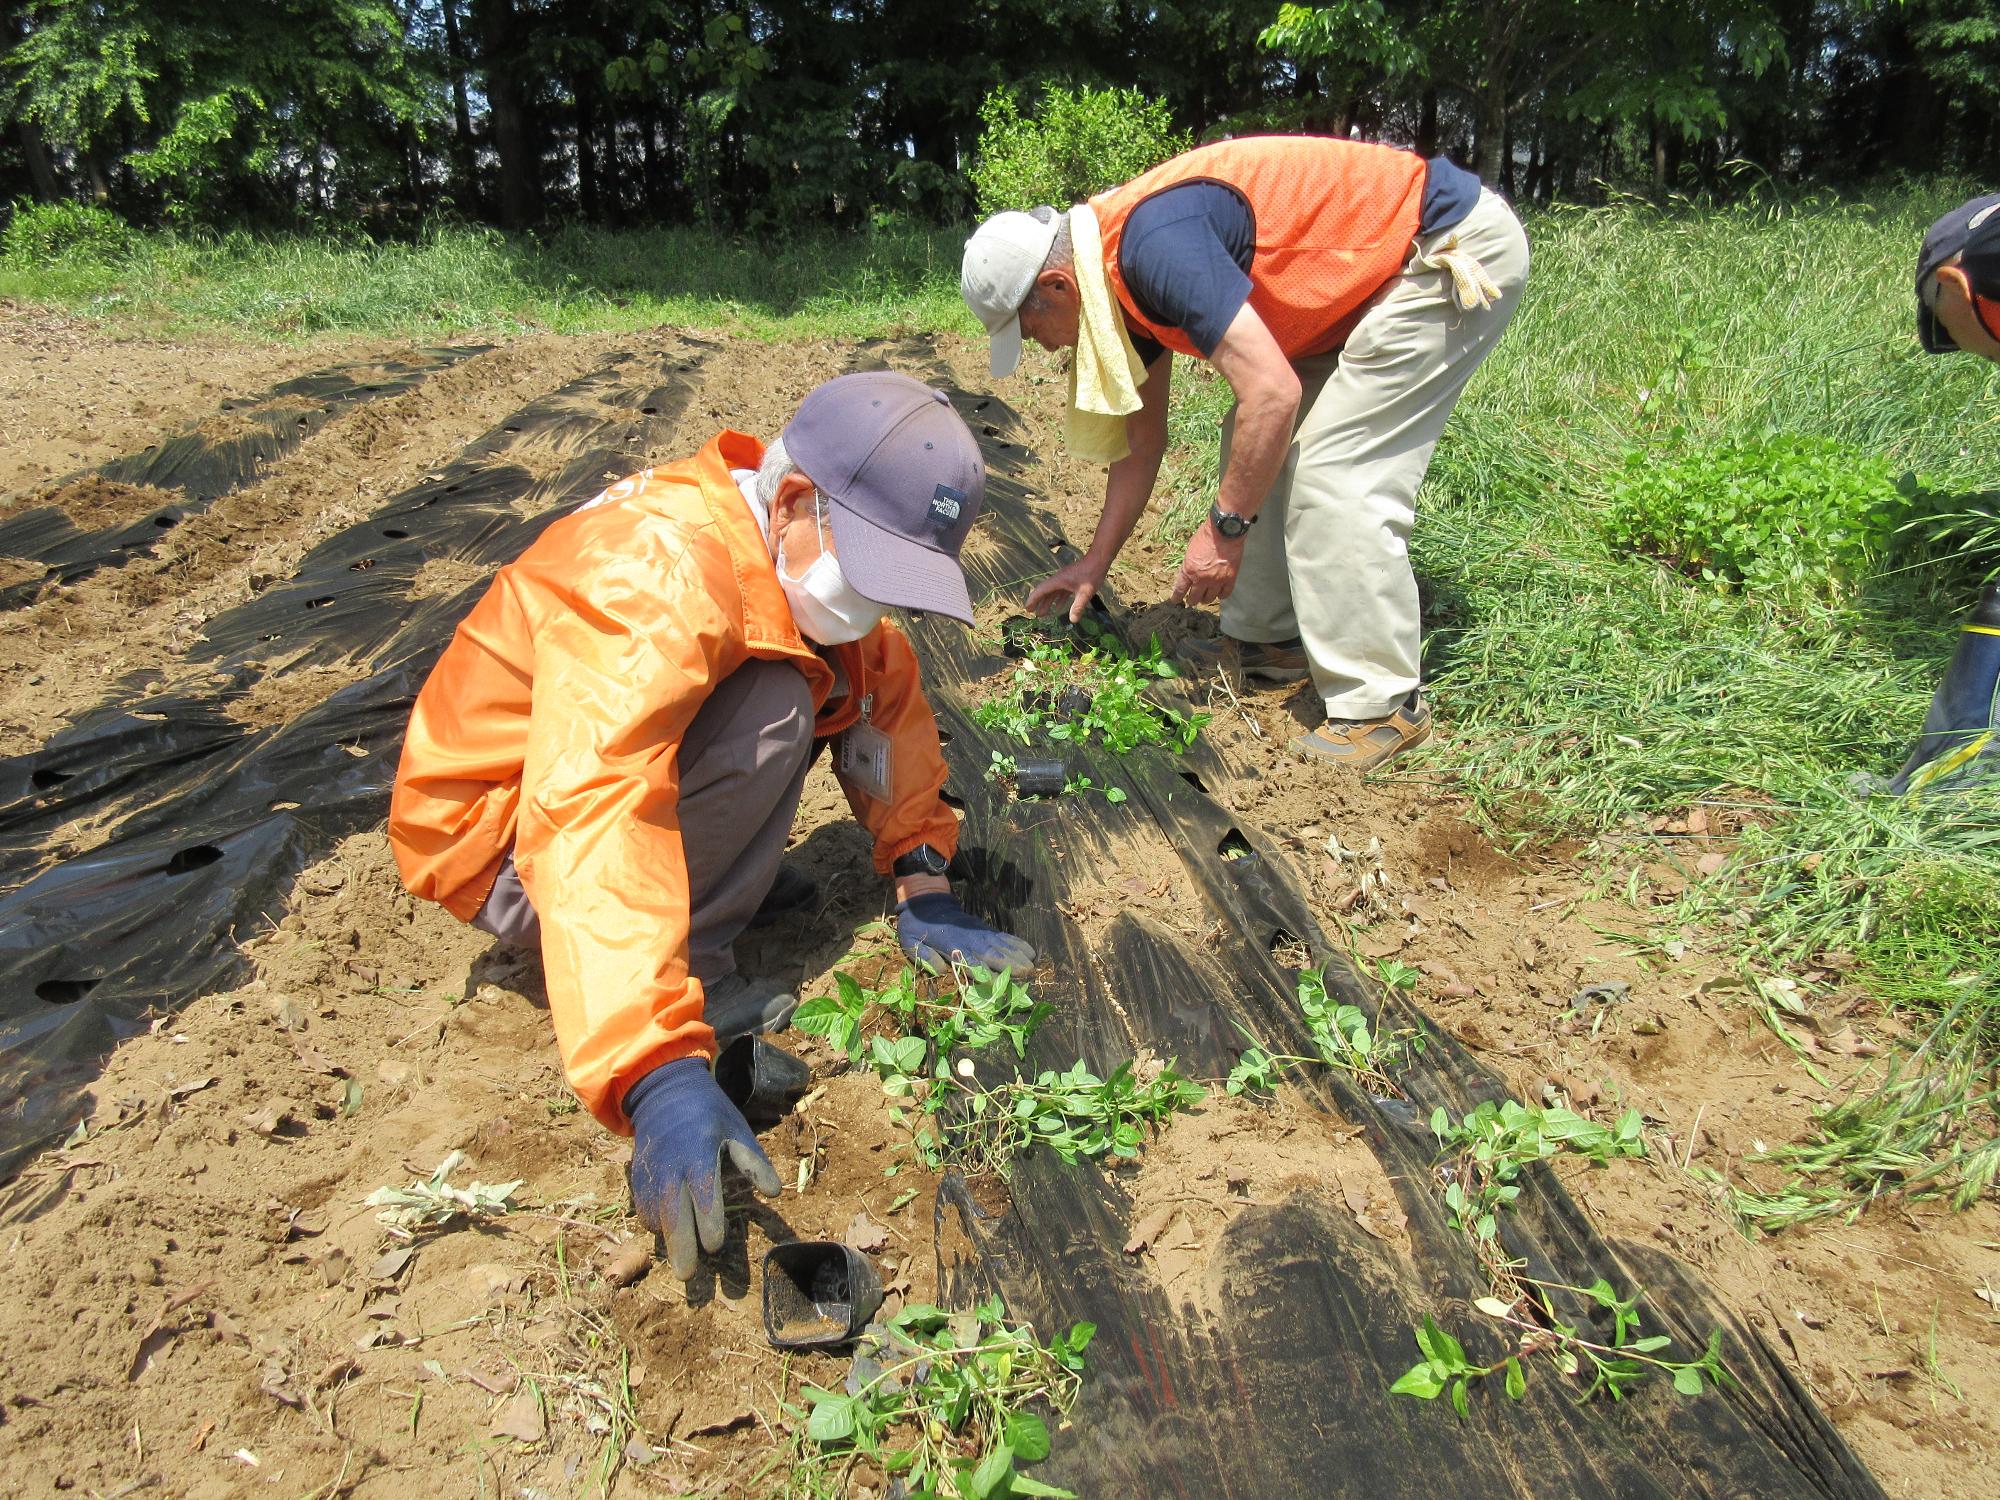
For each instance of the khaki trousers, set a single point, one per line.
(743, 765)
(1329, 558)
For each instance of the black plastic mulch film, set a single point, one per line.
(211, 819)
(201, 470)
(1275, 1389)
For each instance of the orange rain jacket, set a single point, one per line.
(1334, 222)
(550, 727)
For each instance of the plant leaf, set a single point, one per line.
(1028, 1436)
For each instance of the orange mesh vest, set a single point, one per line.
(1334, 221)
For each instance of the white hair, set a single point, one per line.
(1061, 256)
(776, 468)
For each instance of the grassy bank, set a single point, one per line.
(457, 281)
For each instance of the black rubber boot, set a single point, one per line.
(791, 891)
(1958, 745)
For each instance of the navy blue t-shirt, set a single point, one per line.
(1186, 251)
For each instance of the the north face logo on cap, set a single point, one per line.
(947, 505)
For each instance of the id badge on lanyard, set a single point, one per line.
(866, 762)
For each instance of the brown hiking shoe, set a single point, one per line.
(1365, 744)
(1279, 663)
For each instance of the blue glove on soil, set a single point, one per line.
(934, 929)
(682, 1123)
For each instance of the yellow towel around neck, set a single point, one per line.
(1104, 372)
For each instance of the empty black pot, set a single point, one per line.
(760, 1079)
(817, 1293)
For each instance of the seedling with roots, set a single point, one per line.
(1342, 1038)
(435, 1203)
(935, 1086)
(1531, 1326)
(942, 1402)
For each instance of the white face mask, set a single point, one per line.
(824, 604)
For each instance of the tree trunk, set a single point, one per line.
(100, 185)
(1657, 139)
(513, 138)
(586, 151)
(41, 170)
(1492, 131)
(1427, 124)
(1507, 160)
(461, 106)
(653, 191)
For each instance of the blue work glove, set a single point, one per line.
(682, 1123)
(934, 929)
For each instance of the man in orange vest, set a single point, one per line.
(1347, 292)
(605, 762)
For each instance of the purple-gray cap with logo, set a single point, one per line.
(903, 480)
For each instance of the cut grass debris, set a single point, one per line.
(1929, 1129)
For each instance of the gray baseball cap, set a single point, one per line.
(903, 480)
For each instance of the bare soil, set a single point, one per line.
(199, 1293)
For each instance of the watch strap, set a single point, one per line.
(1231, 526)
(922, 860)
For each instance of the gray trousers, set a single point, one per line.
(742, 766)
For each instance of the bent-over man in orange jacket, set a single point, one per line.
(606, 760)
(1346, 291)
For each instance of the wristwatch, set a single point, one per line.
(922, 860)
(1227, 525)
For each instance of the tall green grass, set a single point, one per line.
(453, 281)
(1590, 690)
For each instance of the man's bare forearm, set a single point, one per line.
(1263, 434)
(1128, 489)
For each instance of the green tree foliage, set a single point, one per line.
(1598, 60)
(199, 102)
(1078, 142)
(765, 115)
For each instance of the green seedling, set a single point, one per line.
(945, 1403)
(1077, 785)
(936, 1090)
(1342, 1038)
(1396, 975)
(1488, 1149)
(980, 1010)
(1074, 1113)
(1531, 1325)
(1058, 694)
